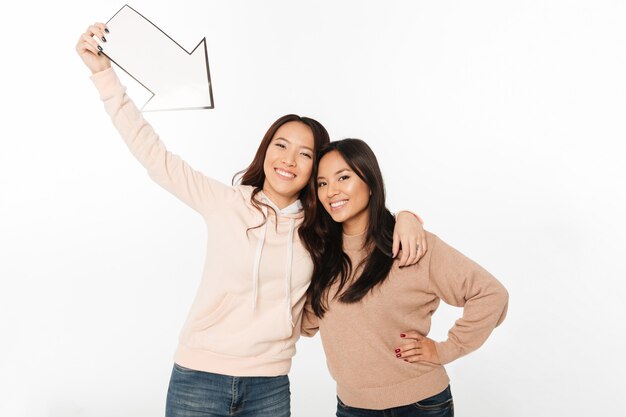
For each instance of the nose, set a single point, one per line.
(289, 160)
(331, 189)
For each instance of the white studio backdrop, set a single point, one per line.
(500, 122)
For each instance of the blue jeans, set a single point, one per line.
(440, 405)
(202, 394)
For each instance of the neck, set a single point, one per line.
(353, 232)
(352, 242)
(356, 226)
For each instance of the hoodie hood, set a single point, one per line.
(292, 211)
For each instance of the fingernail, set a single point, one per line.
(103, 39)
(402, 335)
(99, 53)
(398, 355)
(106, 30)
(99, 48)
(397, 350)
(406, 360)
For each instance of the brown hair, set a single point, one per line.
(330, 263)
(254, 174)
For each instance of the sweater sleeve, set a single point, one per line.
(310, 322)
(461, 282)
(165, 168)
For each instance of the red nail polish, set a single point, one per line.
(398, 355)
(406, 360)
(402, 335)
(397, 350)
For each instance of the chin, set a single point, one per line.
(288, 193)
(338, 219)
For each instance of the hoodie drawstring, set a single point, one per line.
(257, 261)
(259, 251)
(288, 275)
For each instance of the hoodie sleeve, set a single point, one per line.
(166, 169)
(461, 282)
(310, 322)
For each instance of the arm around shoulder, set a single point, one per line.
(310, 322)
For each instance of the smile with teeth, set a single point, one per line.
(285, 174)
(338, 204)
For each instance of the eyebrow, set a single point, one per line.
(288, 141)
(338, 172)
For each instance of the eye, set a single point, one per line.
(306, 155)
(321, 184)
(280, 145)
(344, 177)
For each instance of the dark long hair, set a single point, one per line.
(331, 263)
(254, 174)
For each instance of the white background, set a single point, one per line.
(500, 122)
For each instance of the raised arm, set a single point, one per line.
(164, 167)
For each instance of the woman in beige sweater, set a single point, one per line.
(374, 316)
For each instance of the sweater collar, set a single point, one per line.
(354, 242)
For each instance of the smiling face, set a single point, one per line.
(288, 163)
(344, 195)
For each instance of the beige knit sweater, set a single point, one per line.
(359, 339)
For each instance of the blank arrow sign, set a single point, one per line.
(177, 79)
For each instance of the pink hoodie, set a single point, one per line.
(246, 316)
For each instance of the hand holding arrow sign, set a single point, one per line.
(177, 79)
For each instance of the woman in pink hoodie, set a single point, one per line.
(236, 345)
